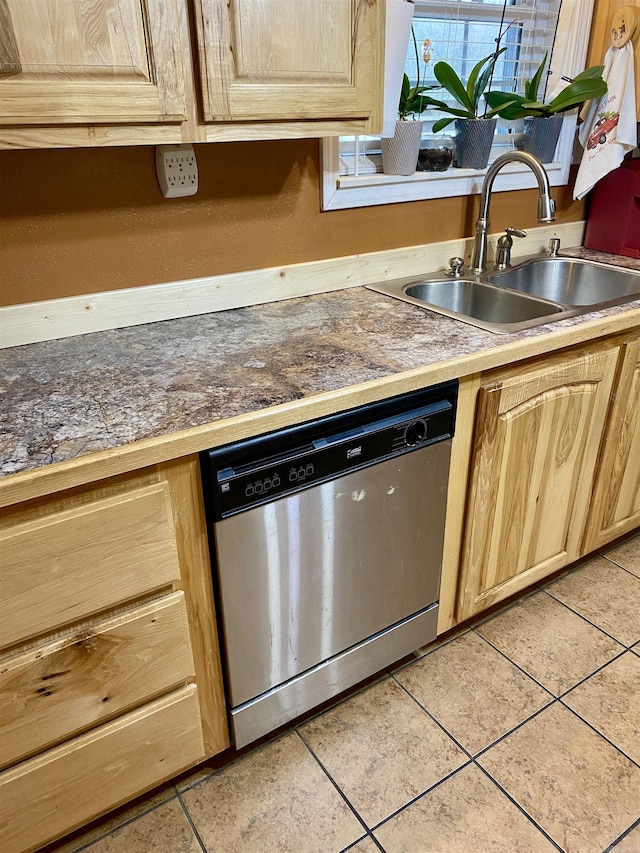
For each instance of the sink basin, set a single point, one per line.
(536, 291)
(489, 306)
(571, 282)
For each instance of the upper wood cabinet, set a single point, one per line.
(535, 449)
(288, 59)
(126, 72)
(94, 61)
(615, 507)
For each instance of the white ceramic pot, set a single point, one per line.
(400, 151)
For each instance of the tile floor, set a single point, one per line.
(518, 734)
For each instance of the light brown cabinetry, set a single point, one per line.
(113, 72)
(535, 449)
(110, 677)
(615, 507)
(92, 64)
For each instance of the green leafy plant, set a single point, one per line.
(466, 96)
(584, 87)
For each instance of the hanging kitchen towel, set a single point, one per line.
(609, 129)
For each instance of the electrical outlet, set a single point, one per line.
(177, 170)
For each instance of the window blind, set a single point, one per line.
(461, 32)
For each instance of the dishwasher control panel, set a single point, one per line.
(255, 471)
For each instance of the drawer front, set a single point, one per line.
(52, 692)
(63, 567)
(54, 793)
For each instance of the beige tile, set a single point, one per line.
(276, 798)
(473, 691)
(381, 749)
(630, 843)
(364, 846)
(552, 644)
(574, 784)
(610, 701)
(465, 813)
(627, 555)
(111, 821)
(604, 594)
(164, 830)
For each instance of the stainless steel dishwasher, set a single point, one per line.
(327, 543)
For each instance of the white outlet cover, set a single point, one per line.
(177, 170)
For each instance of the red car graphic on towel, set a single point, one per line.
(601, 130)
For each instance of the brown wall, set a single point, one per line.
(84, 221)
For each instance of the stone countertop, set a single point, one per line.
(64, 399)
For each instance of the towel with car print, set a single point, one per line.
(609, 129)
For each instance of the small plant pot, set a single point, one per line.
(541, 136)
(400, 151)
(436, 153)
(474, 138)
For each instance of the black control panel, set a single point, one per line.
(255, 471)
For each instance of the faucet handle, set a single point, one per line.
(503, 249)
(455, 267)
(516, 232)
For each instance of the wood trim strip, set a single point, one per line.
(79, 315)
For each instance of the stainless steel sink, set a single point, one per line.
(571, 281)
(538, 290)
(474, 301)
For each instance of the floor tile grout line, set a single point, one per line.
(333, 782)
(628, 831)
(434, 719)
(486, 749)
(189, 819)
(421, 795)
(106, 834)
(598, 669)
(615, 563)
(586, 619)
(520, 808)
(598, 732)
(517, 665)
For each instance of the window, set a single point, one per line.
(461, 32)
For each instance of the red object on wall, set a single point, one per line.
(614, 218)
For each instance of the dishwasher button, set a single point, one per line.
(415, 432)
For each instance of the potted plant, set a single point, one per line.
(400, 151)
(475, 124)
(543, 121)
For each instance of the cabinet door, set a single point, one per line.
(288, 59)
(536, 443)
(615, 507)
(95, 61)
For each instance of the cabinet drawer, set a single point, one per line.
(54, 793)
(63, 567)
(52, 692)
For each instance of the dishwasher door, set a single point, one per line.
(312, 574)
(328, 549)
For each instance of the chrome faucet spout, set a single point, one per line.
(546, 205)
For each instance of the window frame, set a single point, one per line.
(339, 192)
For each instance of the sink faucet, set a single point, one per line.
(546, 205)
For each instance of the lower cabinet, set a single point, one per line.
(110, 677)
(535, 450)
(615, 508)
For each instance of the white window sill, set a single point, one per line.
(345, 191)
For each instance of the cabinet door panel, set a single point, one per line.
(535, 450)
(616, 500)
(94, 61)
(288, 59)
